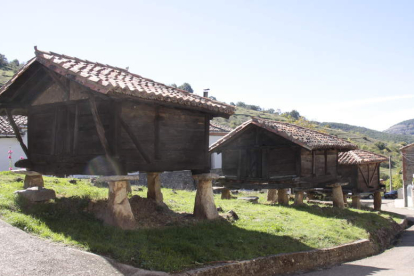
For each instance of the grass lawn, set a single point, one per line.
(261, 230)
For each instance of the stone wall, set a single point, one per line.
(304, 261)
(179, 180)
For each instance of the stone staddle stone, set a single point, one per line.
(37, 194)
(225, 194)
(299, 197)
(337, 196)
(272, 195)
(204, 207)
(31, 179)
(282, 197)
(119, 212)
(356, 201)
(154, 186)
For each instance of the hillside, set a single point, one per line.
(5, 75)
(405, 128)
(384, 136)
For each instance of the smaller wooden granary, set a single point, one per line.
(262, 153)
(362, 168)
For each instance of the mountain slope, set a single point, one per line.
(384, 136)
(405, 127)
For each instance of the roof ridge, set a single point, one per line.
(118, 69)
(115, 80)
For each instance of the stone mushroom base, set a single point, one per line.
(204, 207)
(337, 196)
(282, 197)
(31, 179)
(119, 212)
(154, 187)
(272, 195)
(225, 194)
(299, 198)
(356, 201)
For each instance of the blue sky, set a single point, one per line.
(343, 61)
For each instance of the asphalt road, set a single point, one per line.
(398, 261)
(23, 254)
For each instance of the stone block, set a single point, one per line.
(37, 194)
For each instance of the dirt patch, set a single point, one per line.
(147, 213)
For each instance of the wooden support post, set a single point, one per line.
(225, 194)
(345, 199)
(17, 132)
(154, 187)
(337, 196)
(99, 126)
(299, 198)
(377, 201)
(119, 212)
(272, 195)
(356, 201)
(282, 197)
(204, 207)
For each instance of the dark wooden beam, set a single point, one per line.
(363, 176)
(60, 83)
(157, 133)
(17, 132)
(373, 174)
(99, 126)
(134, 140)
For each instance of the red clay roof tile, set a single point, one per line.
(304, 137)
(359, 157)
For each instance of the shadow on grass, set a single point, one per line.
(171, 248)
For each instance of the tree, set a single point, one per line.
(271, 110)
(186, 87)
(213, 98)
(241, 104)
(3, 61)
(174, 85)
(294, 114)
(232, 103)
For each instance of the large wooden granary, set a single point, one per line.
(266, 154)
(90, 118)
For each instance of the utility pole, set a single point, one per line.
(389, 162)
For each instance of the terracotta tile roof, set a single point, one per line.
(359, 157)
(115, 81)
(407, 146)
(217, 128)
(304, 137)
(7, 130)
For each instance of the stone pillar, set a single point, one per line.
(272, 195)
(377, 201)
(154, 186)
(282, 197)
(299, 198)
(31, 179)
(337, 196)
(204, 207)
(225, 194)
(345, 200)
(356, 201)
(119, 212)
(310, 195)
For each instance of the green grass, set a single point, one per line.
(261, 230)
